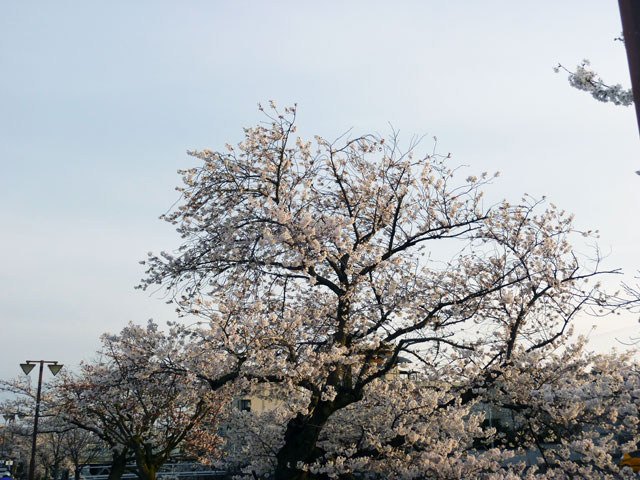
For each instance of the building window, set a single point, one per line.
(245, 405)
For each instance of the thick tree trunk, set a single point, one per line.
(148, 464)
(146, 471)
(118, 465)
(300, 441)
(301, 437)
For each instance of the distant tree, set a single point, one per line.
(51, 453)
(318, 265)
(16, 432)
(83, 447)
(19, 409)
(134, 401)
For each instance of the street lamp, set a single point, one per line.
(26, 368)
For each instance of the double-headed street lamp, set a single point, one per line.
(55, 367)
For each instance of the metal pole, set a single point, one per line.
(630, 16)
(32, 463)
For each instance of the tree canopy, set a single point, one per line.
(137, 402)
(319, 265)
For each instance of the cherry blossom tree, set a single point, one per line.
(571, 412)
(18, 410)
(317, 265)
(82, 448)
(16, 432)
(51, 453)
(134, 400)
(577, 410)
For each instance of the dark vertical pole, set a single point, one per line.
(32, 463)
(630, 15)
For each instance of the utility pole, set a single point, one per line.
(630, 15)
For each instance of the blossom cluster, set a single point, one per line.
(583, 78)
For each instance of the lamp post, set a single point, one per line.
(55, 367)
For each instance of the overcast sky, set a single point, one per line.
(101, 100)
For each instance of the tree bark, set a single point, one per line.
(146, 471)
(300, 441)
(301, 437)
(147, 463)
(118, 465)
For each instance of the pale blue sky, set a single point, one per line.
(100, 101)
